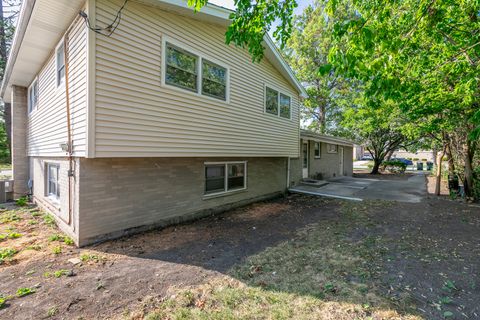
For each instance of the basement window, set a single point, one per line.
(224, 177)
(53, 187)
(60, 64)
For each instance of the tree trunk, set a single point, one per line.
(389, 155)
(468, 178)
(438, 181)
(376, 166)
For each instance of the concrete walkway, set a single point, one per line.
(411, 190)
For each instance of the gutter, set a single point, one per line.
(23, 20)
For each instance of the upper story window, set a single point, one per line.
(189, 71)
(181, 68)
(33, 96)
(317, 150)
(60, 64)
(332, 148)
(277, 103)
(214, 80)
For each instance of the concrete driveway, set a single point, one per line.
(411, 190)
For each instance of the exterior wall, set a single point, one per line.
(118, 194)
(348, 161)
(58, 209)
(417, 155)
(19, 129)
(135, 115)
(296, 174)
(47, 125)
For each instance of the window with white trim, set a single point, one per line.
(53, 186)
(33, 96)
(192, 72)
(277, 103)
(60, 64)
(332, 148)
(225, 177)
(317, 150)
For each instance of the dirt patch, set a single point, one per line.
(338, 259)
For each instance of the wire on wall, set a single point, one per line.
(108, 30)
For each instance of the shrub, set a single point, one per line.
(394, 166)
(21, 202)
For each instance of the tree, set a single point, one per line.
(423, 55)
(307, 51)
(8, 13)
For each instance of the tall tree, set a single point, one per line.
(307, 51)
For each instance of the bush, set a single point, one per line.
(394, 166)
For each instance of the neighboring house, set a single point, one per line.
(158, 123)
(322, 157)
(421, 155)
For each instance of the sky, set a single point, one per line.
(302, 4)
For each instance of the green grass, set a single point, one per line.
(21, 292)
(57, 273)
(49, 220)
(6, 254)
(57, 250)
(90, 257)
(9, 216)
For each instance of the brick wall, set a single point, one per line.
(122, 195)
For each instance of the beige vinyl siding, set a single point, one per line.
(47, 125)
(135, 116)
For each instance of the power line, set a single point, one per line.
(108, 30)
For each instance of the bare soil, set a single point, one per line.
(424, 258)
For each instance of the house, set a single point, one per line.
(129, 115)
(322, 157)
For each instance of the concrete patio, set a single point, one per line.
(358, 189)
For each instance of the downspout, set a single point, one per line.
(288, 173)
(71, 173)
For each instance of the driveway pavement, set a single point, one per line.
(411, 190)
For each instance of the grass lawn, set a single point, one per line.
(294, 258)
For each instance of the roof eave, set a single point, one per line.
(24, 17)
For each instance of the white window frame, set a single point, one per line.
(265, 86)
(32, 108)
(59, 83)
(200, 56)
(319, 149)
(225, 188)
(329, 148)
(54, 196)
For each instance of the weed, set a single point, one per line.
(49, 220)
(58, 273)
(448, 314)
(14, 235)
(54, 237)
(22, 201)
(57, 249)
(446, 300)
(35, 247)
(3, 301)
(25, 292)
(68, 241)
(6, 254)
(30, 272)
(86, 257)
(449, 286)
(8, 217)
(52, 311)
(32, 222)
